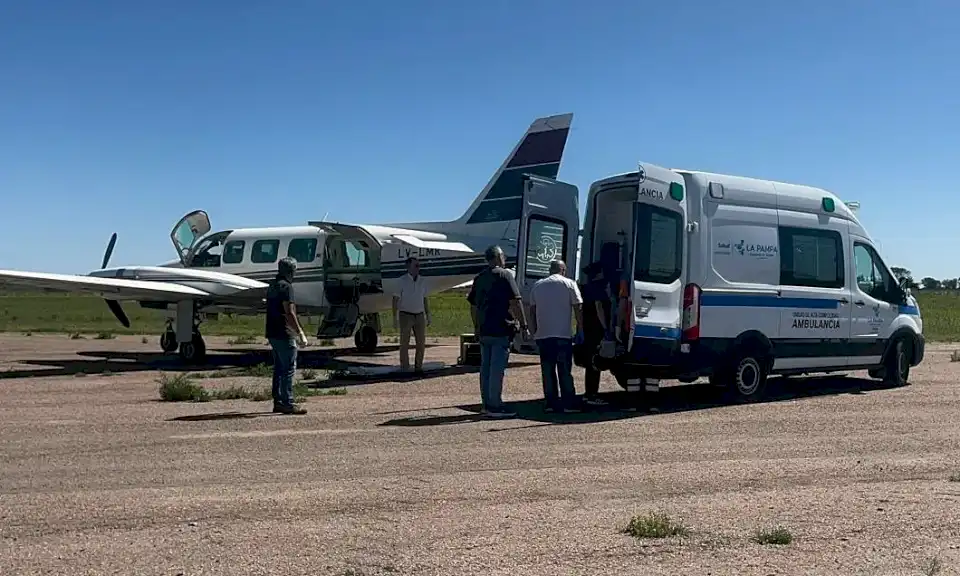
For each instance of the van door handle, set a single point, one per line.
(844, 301)
(648, 296)
(859, 302)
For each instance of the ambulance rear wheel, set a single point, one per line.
(748, 375)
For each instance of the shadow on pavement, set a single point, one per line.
(684, 398)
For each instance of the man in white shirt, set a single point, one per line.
(552, 302)
(411, 312)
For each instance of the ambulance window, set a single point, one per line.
(233, 252)
(811, 257)
(546, 242)
(302, 249)
(872, 277)
(658, 254)
(264, 251)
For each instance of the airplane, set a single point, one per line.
(346, 272)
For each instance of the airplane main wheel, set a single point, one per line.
(366, 339)
(193, 351)
(168, 341)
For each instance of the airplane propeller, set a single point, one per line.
(113, 304)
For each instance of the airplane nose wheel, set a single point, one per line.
(168, 341)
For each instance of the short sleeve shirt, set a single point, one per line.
(555, 297)
(280, 291)
(491, 293)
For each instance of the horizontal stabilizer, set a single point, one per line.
(432, 244)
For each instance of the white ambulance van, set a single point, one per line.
(735, 279)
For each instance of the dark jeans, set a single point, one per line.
(284, 370)
(556, 365)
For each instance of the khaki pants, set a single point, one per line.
(418, 323)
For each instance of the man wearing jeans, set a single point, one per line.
(495, 308)
(552, 300)
(285, 334)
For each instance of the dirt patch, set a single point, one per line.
(401, 476)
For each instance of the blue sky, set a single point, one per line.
(122, 116)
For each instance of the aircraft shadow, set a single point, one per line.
(92, 362)
(674, 399)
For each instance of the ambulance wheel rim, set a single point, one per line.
(748, 376)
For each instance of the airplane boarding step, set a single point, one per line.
(339, 322)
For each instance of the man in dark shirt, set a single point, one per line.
(285, 334)
(497, 317)
(596, 319)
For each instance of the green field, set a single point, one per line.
(85, 314)
(69, 313)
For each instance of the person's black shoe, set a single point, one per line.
(290, 409)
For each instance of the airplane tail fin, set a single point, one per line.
(539, 152)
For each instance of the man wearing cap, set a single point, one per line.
(285, 335)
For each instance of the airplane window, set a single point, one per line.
(233, 252)
(355, 256)
(302, 249)
(264, 251)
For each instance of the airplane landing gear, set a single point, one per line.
(367, 336)
(193, 351)
(179, 336)
(168, 340)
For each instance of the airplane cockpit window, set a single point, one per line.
(208, 254)
(233, 252)
(264, 251)
(302, 249)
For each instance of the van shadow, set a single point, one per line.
(685, 398)
(92, 362)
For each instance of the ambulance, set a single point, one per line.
(736, 279)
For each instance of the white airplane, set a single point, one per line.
(346, 272)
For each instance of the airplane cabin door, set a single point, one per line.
(549, 230)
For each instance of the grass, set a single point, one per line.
(185, 388)
(933, 566)
(655, 525)
(777, 535)
(79, 314)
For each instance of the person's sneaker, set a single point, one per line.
(572, 410)
(594, 401)
(501, 413)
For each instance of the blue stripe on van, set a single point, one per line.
(909, 310)
(647, 331)
(758, 301)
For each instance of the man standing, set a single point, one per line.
(495, 308)
(285, 334)
(411, 312)
(552, 300)
(596, 321)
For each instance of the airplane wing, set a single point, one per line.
(112, 288)
(435, 244)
